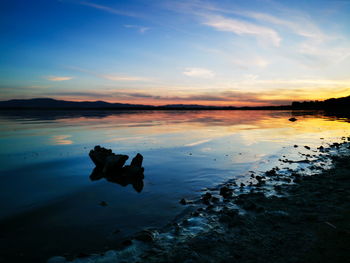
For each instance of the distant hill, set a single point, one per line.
(48, 103)
(339, 104)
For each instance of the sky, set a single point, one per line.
(239, 53)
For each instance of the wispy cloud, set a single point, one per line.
(251, 76)
(199, 72)
(298, 22)
(248, 62)
(300, 25)
(58, 78)
(112, 77)
(240, 27)
(141, 29)
(123, 78)
(317, 47)
(109, 9)
(321, 55)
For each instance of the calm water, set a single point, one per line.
(49, 206)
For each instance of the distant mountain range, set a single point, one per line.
(53, 104)
(48, 103)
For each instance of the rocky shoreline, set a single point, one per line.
(273, 218)
(307, 222)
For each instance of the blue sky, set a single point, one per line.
(161, 52)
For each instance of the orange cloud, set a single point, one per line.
(58, 78)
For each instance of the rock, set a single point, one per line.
(215, 199)
(96, 174)
(226, 192)
(106, 160)
(209, 207)
(292, 119)
(278, 188)
(103, 203)
(288, 180)
(177, 228)
(249, 205)
(271, 172)
(113, 163)
(230, 212)
(126, 243)
(195, 214)
(207, 195)
(206, 198)
(307, 147)
(137, 161)
(99, 154)
(259, 178)
(111, 166)
(183, 201)
(145, 236)
(230, 217)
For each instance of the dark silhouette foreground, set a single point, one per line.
(111, 166)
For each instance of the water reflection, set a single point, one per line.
(121, 179)
(61, 139)
(38, 136)
(44, 173)
(154, 118)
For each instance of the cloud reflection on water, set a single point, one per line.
(61, 140)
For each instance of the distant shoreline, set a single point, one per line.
(49, 104)
(151, 108)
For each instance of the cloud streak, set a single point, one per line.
(111, 77)
(299, 26)
(109, 9)
(243, 28)
(199, 72)
(123, 78)
(141, 29)
(58, 78)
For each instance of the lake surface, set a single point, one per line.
(49, 206)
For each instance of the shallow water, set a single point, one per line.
(49, 206)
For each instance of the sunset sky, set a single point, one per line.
(171, 52)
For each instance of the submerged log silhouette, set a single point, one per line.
(111, 166)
